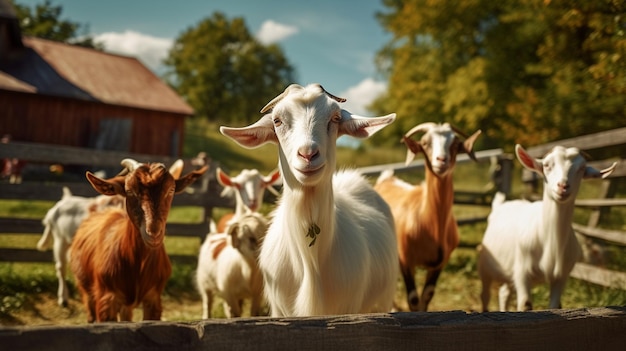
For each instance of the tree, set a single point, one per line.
(526, 71)
(224, 73)
(43, 21)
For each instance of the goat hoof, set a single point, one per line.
(413, 301)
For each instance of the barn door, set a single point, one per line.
(114, 134)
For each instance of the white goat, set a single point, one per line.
(60, 224)
(248, 187)
(527, 243)
(331, 247)
(228, 267)
(426, 229)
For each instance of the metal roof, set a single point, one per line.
(59, 69)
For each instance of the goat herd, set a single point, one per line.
(333, 243)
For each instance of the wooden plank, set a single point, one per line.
(600, 276)
(615, 236)
(25, 255)
(600, 202)
(32, 226)
(599, 328)
(585, 142)
(35, 256)
(48, 153)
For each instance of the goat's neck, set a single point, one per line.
(438, 196)
(556, 224)
(308, 207)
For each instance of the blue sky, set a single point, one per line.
(328, 42)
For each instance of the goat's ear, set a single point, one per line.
(528, 161)
(468, 145)
(113, 186)
(223, 178)
(413, 148)
(362, 127)
(189, 178)
(177, 168)
(591, 172)
(253, 135)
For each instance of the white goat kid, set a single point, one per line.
(248, 187)
(60, 225)
(228, 267)
(530, 243)
(331, 247)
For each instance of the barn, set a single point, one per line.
(62, 94)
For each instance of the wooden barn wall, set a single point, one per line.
(61, 121)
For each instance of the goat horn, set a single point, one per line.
(420, 127)
(336, 98)
(130, 164)
(585, 155)
(458, 131)
(270, 105)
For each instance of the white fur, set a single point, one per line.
(228, 267)
(531, 243)
(351, 265)
(60, 225)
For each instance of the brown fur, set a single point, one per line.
(116, 266)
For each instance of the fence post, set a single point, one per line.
(503, 176)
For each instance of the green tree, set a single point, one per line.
(44, 21)
(527, 71)
(224, 72)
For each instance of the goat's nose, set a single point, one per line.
(563, 185)
(308, 153)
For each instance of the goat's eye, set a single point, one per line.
(547, 166)
(277, 122)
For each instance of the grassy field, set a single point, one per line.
(28, 290)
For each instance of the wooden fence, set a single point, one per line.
(207, 196)
(555, 330)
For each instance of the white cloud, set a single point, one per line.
(272, 32)
(361, 95)
(150, 50)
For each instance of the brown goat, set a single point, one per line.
(426, 229)
(117, 256)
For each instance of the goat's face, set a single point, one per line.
(305, 122)
(149, 190)
(440, 145)
(149, 194)
(249, 186)
(247, 233)
(562, 169)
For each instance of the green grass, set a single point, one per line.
(458, 288)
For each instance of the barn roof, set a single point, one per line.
(64, 70)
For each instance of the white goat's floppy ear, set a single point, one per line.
(253, 135)
(362, 127)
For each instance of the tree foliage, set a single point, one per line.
(523, 71)
(44, 21)
(224, 72)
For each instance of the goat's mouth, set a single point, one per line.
(152, 241)
(310, 171)
(440, 170)
(561, 196)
